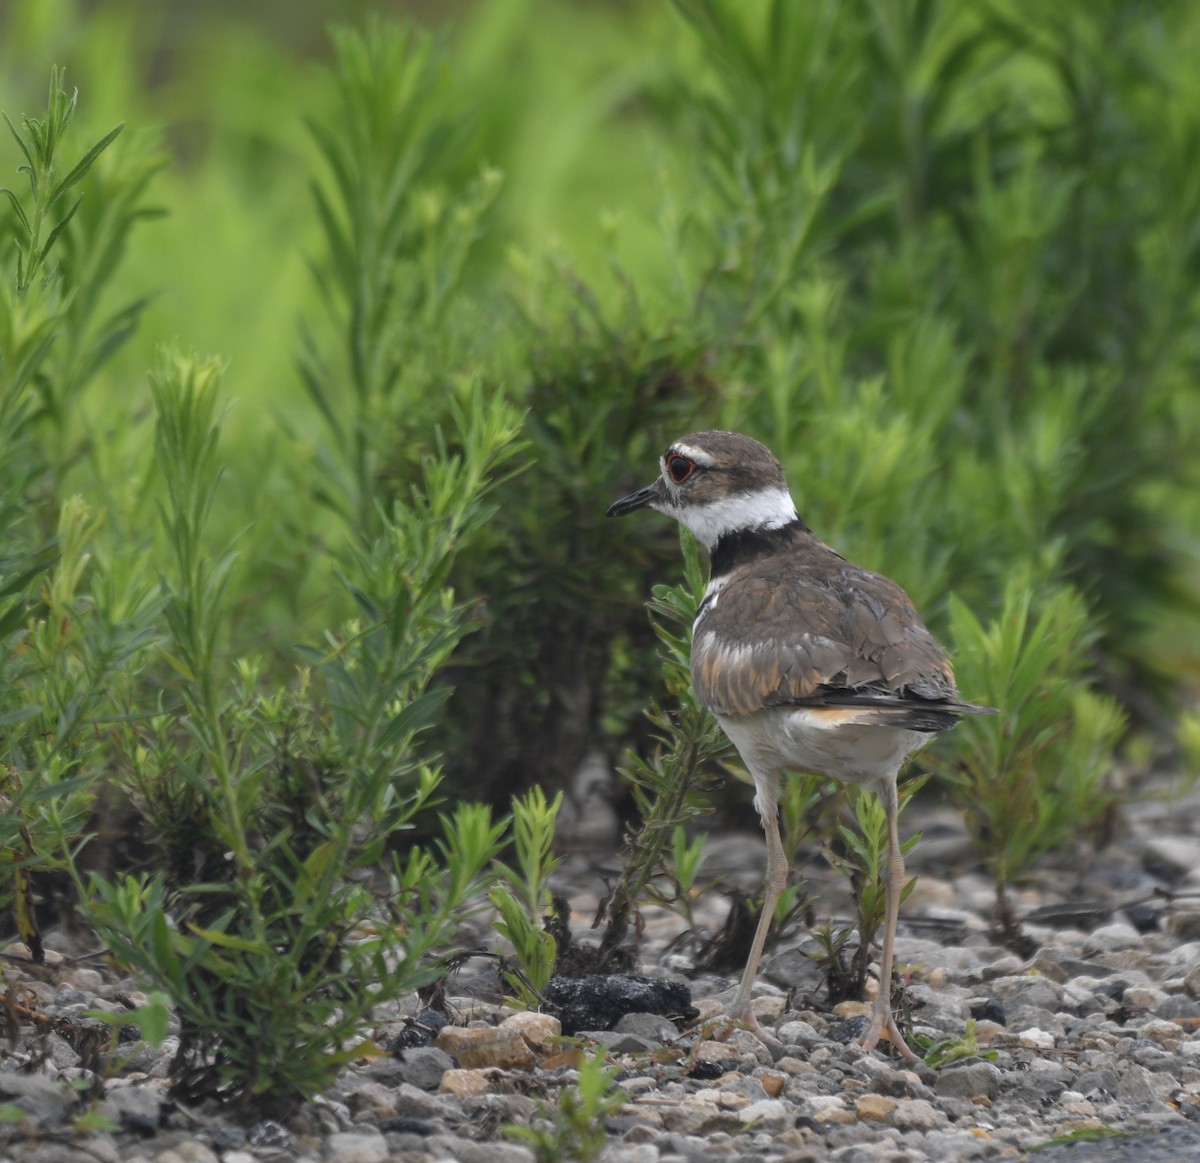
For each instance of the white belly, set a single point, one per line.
(818, 742)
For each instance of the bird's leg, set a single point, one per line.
(881, 1016)
(767, 801)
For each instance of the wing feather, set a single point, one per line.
(790, 637)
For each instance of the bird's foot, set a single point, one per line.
(744, 1019)
(883, 1025)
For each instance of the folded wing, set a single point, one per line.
(838, 637)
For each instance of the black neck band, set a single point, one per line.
(734, 549)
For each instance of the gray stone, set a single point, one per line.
(630, 1153)
(1145, 997)
(36, 1094)
(351, 1147)
(195, 1152)
(228, 1137)
(1174, 855)
(747, 1086)
(699, 1118)
(798, 1033)
(969, 1080)
(1111, 938)
(389, 1071)
(886, 1079)
(498, 1109)
(1183, 919)
(468, 1151)
(366, 1096)
(424, 1067)
(1178, 1006)
(1136, 1086)
(915, 1114)
(618, 1042)
(653, 1027)
(1102, 1082)
(134, 1108)
(411, 1102)
(269, 1135)
(1029, 990)
(769, 1115)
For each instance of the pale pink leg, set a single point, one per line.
(773, 885)
(881, 1016)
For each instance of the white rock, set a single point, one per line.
(1108, 938)
(916, 1114)
(1178, 853)
(1035, 1039)
(348, 1147)
(768, 1115)
(1147, 997)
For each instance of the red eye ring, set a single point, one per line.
(679, 468)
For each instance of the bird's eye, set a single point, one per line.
(680, 468)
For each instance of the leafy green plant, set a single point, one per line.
(93, 1123)
(68, 236)
(1187, 735)
(152, 1019)
(533, 946)
(533, 818)
(67, 655)
(667, 786)
(565, 651)
(1038, 773)
(72, 672)
(681, 865)
(574, 1128)
(523, 894)
(860, 856)
(398, 227)
(947, 1050)
(39, 228)
(307, 910)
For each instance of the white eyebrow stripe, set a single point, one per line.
(697, 454)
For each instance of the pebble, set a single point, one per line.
(489, 1046)
(970, 1080)
(875, 1107)
(424, 1066)
(465, 1083)
(1111, 938)
(1035, 1039)
(915, 1114)
(768, 1115)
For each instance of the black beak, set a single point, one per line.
(638, 500)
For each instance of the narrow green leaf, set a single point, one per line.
(57, 229)
(85, 163)
(230, 941)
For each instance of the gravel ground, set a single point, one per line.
(1091, 1044)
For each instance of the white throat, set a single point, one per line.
(766, 509)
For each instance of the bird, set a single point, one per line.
(809, 663)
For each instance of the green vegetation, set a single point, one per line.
(574, 1126)
(284, 603)
(948, 1050)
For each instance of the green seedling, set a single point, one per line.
(573, 1129)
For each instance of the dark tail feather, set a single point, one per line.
(971, 709)
(914, 714)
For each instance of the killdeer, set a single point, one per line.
(808, 662)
